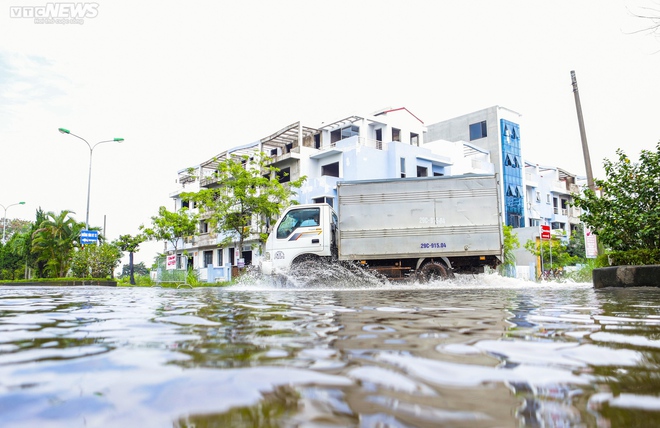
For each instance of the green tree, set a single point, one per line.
(251, 193)
(130, 244)
(54, 241)
(10, 260)
(510, 244)
(627, 214)
(554, 250)
(15, 226)
(576, 246)
(138, 269)
(172, 227)
(31, 259)
(95, 261)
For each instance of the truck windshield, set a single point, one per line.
(304, 217)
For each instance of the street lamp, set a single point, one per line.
(91, 150)
(4, 221)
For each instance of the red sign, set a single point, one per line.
(545, 232)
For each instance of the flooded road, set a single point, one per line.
(471, 352)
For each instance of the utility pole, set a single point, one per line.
(583, 134)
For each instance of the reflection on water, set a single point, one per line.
(472, 352)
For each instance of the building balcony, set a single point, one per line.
(560, 187)
(205, 240)
(293, 153)
(531, 180)
(208, 181)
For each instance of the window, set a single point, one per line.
(538, 196)
(345, 132)
(396, 134)
(350, 131)
(208, 258)
(317, 141)
(284, 175)
(379, 134)
(304, 217)
(422, 171)
(547, 198)
(403, 167)
(512, 161)
(273, 152)
(335, 136)
(232, 256)
(203, 227)
(331, 169)
(534, 222)
(324, 199)
(220, 261)
(478, 130)
(414, 139)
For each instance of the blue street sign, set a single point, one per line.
(89, 237)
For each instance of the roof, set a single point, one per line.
(398, 109)
(279, 139)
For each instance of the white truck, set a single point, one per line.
(408, 228)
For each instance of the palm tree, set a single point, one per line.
(55, 240)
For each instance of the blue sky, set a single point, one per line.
(181, 83)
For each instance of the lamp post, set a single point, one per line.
(4, 219)
(91, 151)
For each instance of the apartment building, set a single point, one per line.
(548, 194)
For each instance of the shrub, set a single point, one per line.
(635, 257)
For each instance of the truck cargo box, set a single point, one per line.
(419, 217)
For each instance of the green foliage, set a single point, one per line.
(510, 244)
(14, 226)
(138, 269)
(131, 244)
(140, 280)
(576, 246)
(247, 198)
(645, 256)
(552, 249)
(192, 277)
(10, 261)
(95, 261)
(54, 241)
(171, 226)
(627, 215)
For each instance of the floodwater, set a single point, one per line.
(479, 351)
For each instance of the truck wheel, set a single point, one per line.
(432, 271)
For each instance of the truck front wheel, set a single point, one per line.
(432, 271)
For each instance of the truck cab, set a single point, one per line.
(303, 232)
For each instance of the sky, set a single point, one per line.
(184, 81)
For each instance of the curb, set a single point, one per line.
(627, 276)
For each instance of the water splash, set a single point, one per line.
(320, 275)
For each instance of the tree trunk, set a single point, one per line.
(130, 267)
